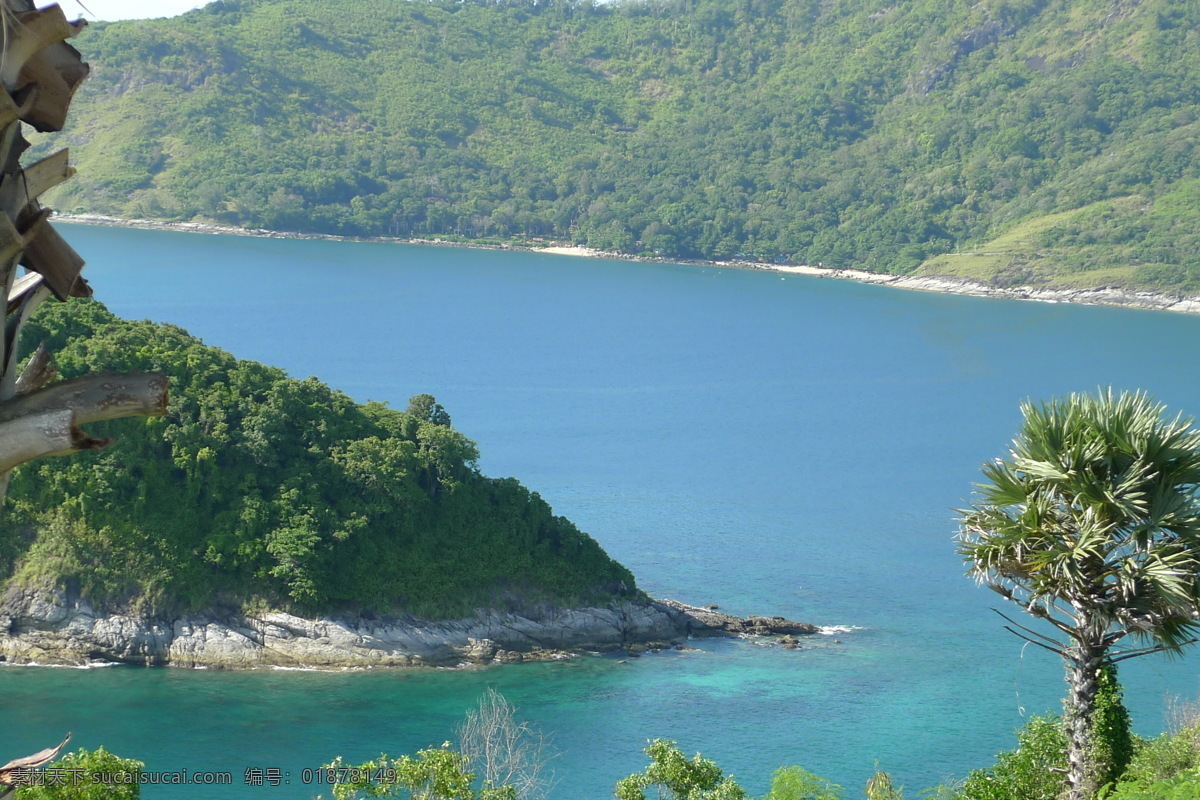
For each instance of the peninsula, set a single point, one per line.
(267, 521)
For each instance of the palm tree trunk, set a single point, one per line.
(1083, 672)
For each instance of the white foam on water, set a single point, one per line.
(90, 665)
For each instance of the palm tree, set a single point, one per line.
(1092, 524)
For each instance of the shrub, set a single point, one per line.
(678, 778)
(797, 783)
(1182, 787)
(1163, 758)
(1025, 773)
(95, 775)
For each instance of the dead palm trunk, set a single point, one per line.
(39, 73)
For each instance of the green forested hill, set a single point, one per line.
(260, 489)
(861, 133)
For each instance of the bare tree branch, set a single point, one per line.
(29, 304)
(504, 752)
(1054, 642)
(97, 397)
(38, 371)
(42, 435)
(1031, 608)
(1057, 651)
(1145, 651)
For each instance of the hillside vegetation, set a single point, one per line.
(857, 133)
(257, 488)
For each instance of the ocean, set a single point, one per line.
(775, 444)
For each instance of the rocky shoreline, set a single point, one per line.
(1098, 296)
(1103, 295)
(52, 628)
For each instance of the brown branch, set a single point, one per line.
(48, 253)
(37, 56)
(12, 335)
(21, 287)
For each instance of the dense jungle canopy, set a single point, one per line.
(260, 489)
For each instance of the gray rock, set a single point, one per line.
(51, 627)
(703, 620)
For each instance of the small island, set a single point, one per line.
(268, 521)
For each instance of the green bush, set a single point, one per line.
(797, 783)
(676, 777)
(1025, 773)
(1185, 786)
(880, 787)
(1164, 758)
(95, 775)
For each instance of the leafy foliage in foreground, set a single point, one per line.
(859, 133)
(1165, 767)
(86, 775)
(797, 783)
(257, 487)
(675, 776)
(434, 774)
(1029, 772)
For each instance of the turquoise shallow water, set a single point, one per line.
(780, 445)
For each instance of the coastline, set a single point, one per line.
(53, 627)
(1099, 296)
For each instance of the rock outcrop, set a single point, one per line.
(51, 627)
(708, 621)
(55, 627)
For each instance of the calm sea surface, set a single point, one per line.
(775, 445)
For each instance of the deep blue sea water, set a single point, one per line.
(775, 444)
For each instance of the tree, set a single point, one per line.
(1092, 524)
(505, 752)
(678, 778)
(509, 757)
(426, 409)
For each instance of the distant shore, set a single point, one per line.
(1099, 296)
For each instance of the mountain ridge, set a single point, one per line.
(854, 134)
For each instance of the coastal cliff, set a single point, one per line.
(53, 627)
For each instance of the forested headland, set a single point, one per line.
(257, 490)
(1041, 142)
